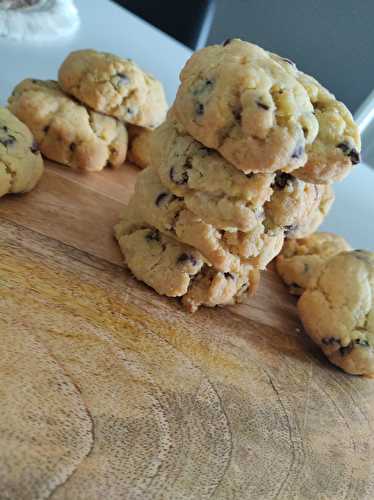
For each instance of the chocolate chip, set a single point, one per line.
(160, 197)
(229, 276)
(351, 152)
(182, 179)
(130, 111)
(46, 129)
(5, 128)
(331, 341)
(208, 82)
(249, 175)
(298, 152)
(362, 342)
(8, 141)
(346, 349)
(290, 228)
(123, 79)
(199, 109)
(34, 148)
(237, 114)
(153, 234)
(262, 105)
(186, 257)
(227, 41)
(282, 179)
(72, 146)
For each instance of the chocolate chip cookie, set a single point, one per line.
(21, 164)
(301, 260)
(211, 187)
(66, 131)
(238, 100)
(338, 311)
(114, 86)
(338, 144)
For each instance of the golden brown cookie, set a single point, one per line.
(338, 311)
(139, 146)
(21, 164)
(237, 99)
(66, 131)
(300, 261)
(114, 86)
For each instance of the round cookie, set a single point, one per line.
(21, 164)
(237, 99)
(338, 144)
(66, 131)
(114, 86)
(186, 166)
(139, 146)
(292, 202)
(177, 270)
(338, 311)
(300, 261)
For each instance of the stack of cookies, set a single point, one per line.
(245, 158)
(84, 120)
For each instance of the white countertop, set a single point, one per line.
(108, 27)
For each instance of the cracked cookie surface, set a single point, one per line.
(338, 144)
(237, 99)
(223, 249)
(66, 131)
(21, 164)
(300, 261)
(177, 270)
(338, 311)
(114, 86)
(211, 187)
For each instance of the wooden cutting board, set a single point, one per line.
(226, 403)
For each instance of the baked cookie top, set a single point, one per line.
(237, 99)
(338, 144)
(66, 131)
(21, 164)
(114, 86)
(338, 311)
(300, 261)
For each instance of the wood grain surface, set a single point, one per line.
(228, 403)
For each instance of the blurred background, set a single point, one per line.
(331, 39)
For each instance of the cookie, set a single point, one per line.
(316, 216)
(139, 146)
(161, 262)
(292, 202)
(338, 144)
(66, 131)
(114, 86)
(21, 164)
(168, 213)
(212, 188)
(300, 261)
(338, 311)
(177, 270)
(211, 288)
(238, 100)
(186, 166)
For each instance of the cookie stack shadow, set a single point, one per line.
(245, 158)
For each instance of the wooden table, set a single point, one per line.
(226, 403)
